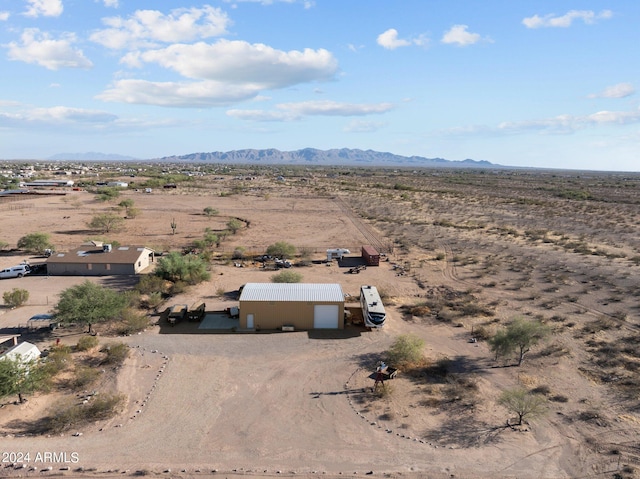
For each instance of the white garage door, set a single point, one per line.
(325, 316)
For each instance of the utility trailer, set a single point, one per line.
(177, 313)
(197, 313)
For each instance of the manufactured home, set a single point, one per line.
(100, 260)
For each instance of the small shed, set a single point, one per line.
(370, 255)
(24, 351)
(290, 306)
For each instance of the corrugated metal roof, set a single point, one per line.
(25, 351)
(310, 292)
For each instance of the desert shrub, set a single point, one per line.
(420, 310)
(132, 322)
(406, 351)
(178, 287)
(544, 390)
(238, 253)
(57, 360)
(281, 249)
(86, 343)
(151, 284)
(84, 376)
(482, 333)
(210, 211)
(154, 299)
(66, 415)
(116, 353)
(16, 297)
(286, 277)
(383, 391)
(459, 388)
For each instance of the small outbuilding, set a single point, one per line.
(100, 260)
(289, 306)
(370, 255)
(24, 351)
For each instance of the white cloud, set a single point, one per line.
(39, 48)
(587, 16)
(621, 90)
(149, 28)
(47, 8)
(55, 116)
(238, 62)
(63, 113)
(178, 94)
(305, 3)
(111, 3)
(296, 111)
(360, 126)
(557, 125)
(390, 41)
(459, 35)
(4, 16)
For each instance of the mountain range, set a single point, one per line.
(305, 156)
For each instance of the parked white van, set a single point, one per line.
(15, 271)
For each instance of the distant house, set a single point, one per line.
(24, 351)
(100, 260)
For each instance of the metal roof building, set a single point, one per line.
(24, 351)
(291, 305)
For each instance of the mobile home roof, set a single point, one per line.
(309, 292)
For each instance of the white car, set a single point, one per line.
(15, 271)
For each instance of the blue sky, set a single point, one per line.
(515, 82)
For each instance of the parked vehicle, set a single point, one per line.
(15, 271)
(372, 308)
(177, 313)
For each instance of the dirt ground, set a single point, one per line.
(301, 403)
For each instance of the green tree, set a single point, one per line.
(19, 377)
(523, 403)
(519, 336)
(281, 249)
(108, 194)
(406, 350)
(35, 243)
(286, 277)
(176, 267)
(127, 204)
(234, 225)
(210, 211)
(106, 222)
(89, 303)
(16, 297)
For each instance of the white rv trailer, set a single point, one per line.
(372, 308)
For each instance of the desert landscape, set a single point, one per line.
(467, 251)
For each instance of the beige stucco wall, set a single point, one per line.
(275, 314)
(66, 269)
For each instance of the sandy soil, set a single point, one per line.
(302, 403)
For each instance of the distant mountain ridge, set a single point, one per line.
(333, 157)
